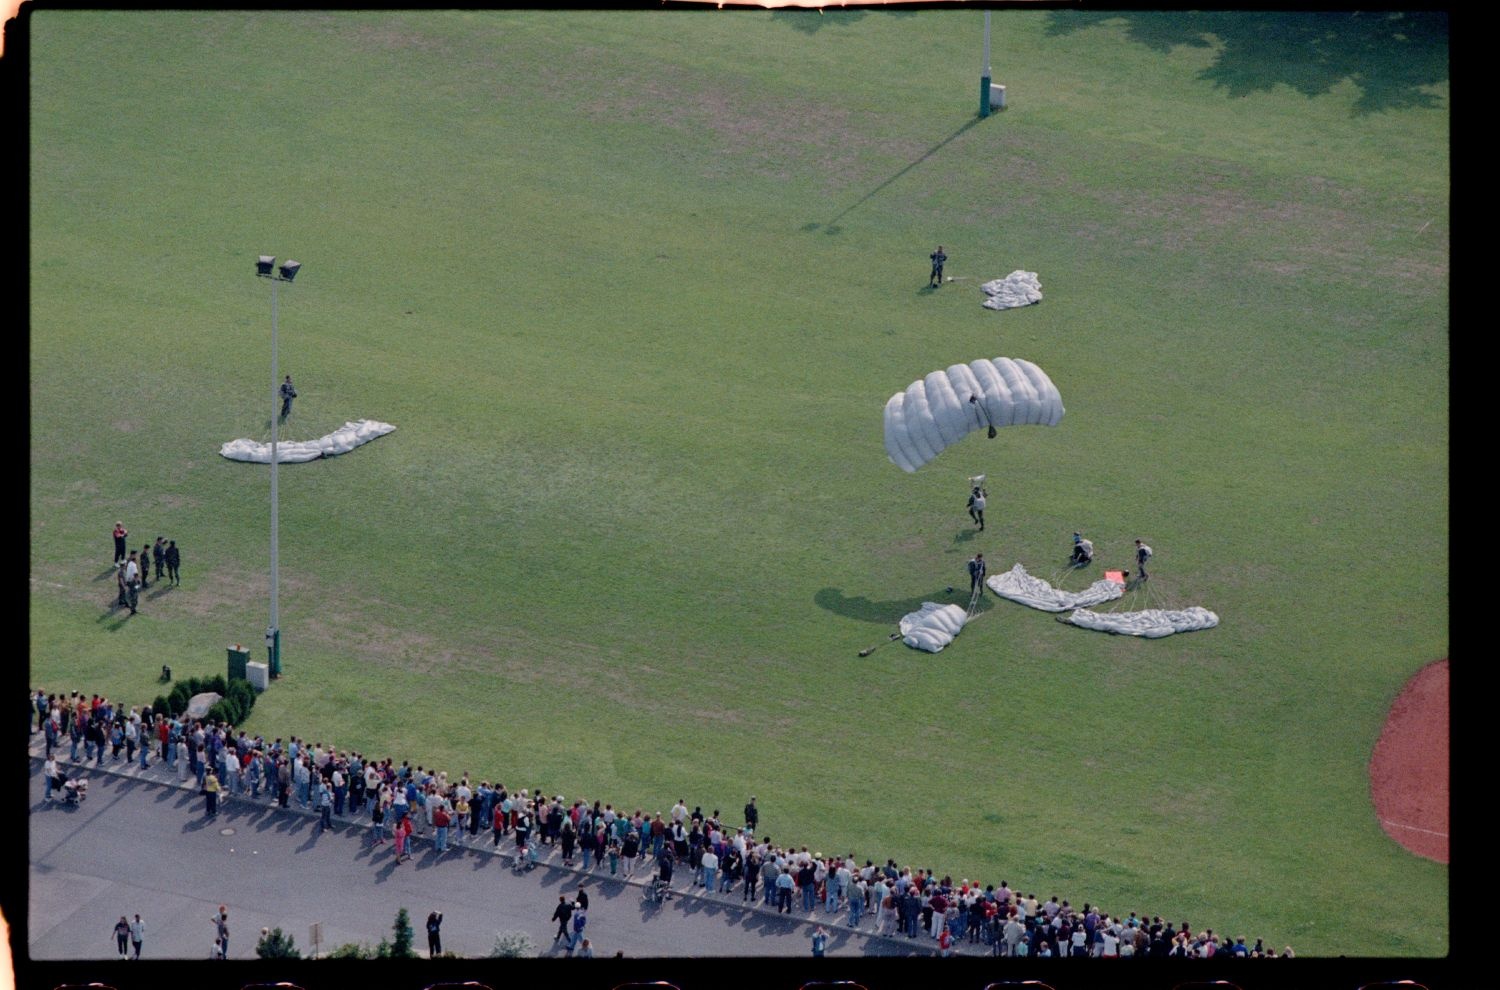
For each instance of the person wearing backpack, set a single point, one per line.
(1142, 554)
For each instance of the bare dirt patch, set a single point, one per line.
(1409, 768)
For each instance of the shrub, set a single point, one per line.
(400, 946)
(243, 695)
(216, 685)
(352, 950)
(160, 706)
(177, 700)
(513, 945)
(274, 945)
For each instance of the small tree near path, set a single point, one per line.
(275, 945)
(400, 945)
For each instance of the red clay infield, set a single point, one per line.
(1409, 769)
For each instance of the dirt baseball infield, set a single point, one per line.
(1409, 768)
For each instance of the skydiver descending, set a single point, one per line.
(943, 407)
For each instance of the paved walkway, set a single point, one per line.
(141, 843)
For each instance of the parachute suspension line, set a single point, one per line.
(889, 639)
(984, 414)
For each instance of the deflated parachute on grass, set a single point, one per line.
(1153, 623)
(340, 441)
(1019, 586)
(932, 627)
(947, 406)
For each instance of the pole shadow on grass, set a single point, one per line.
(832, 226)
(1391, 56)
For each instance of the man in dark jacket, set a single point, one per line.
(752, 815)
(173, 557)
(159, 557)
(287, 395)
(562, 914)
(976, 576)
(938, 258)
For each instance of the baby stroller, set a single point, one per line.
(74, 790)
(657, 891)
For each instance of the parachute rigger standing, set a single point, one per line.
(1142, 554)
(976, 580)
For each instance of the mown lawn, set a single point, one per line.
(634, 289)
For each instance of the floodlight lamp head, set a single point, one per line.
(264, 264)
(289, 269)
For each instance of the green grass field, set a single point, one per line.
(634, 289)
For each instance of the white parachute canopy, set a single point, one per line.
(341, 441)
(947, 406)
(932, 627)
(1028, 589)
(1153, 623)
(1019, 288)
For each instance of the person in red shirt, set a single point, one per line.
(120, 534)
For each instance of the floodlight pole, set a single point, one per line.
(273, 631)
(984, 71)
(264, 266)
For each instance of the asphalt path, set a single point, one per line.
(140, 843)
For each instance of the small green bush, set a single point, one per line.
(513, 945)
(274, 945)
(243, 695)
(352, 950)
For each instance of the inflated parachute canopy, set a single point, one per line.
(937, 410)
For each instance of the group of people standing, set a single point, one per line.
(718, 856)
(133, 568)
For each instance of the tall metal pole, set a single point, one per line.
(273, 632)
(984, 71)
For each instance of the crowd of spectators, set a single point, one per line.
(719, 859)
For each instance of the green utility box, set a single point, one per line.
(238, 657)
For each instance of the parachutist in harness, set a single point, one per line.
(1083, 551)
(938, 258)
(288, 393)
(976, 505)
